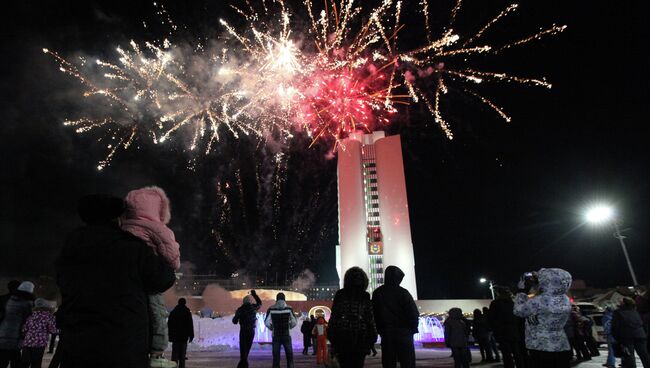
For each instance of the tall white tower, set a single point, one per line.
(374, 227)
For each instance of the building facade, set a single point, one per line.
(374, 227)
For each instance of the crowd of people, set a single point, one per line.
(26, 323)
(112, 271)
(353, 328)
(540, 328)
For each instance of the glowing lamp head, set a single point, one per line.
(599, 214)
(482, 280)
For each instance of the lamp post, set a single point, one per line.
(483, 280)
(602, 214)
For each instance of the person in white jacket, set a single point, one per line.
(546, 314)
(280, 319)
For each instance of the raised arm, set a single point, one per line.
(258, 301)
(525, 306)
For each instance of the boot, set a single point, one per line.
(161, 362)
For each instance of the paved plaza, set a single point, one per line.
(432, 358)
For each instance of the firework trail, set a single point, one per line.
(344, 71)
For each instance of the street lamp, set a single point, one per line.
(603, 214)
(483, 280)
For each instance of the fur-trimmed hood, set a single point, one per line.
(148, 203)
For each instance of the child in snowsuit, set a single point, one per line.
(37, 329)
(148, 212)
(320, 332)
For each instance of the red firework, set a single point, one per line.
(340, 102)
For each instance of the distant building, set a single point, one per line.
(322, 292)
(374, 227)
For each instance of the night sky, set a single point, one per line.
(498, 200)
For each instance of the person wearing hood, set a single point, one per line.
(104, 275)
(280, 319)
(181, 331)
(320, 331)
(36, 331)
(546, 314)
(246, 316)
(628, 331)
(456, 336)
(397, 318)
(352, 329)
(147, 215)
(16, 311)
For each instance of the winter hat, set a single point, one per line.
(26, 286)
(281, 296)
(13, 285)
(98, 208)
(148, 202)
(41, 303)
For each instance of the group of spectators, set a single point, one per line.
(26, 324)
(355, 323)
(112, 271)
(541, 328)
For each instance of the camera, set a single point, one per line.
(530, 280)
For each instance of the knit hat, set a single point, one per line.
(26, 286)
(41, 303)
(100, 208)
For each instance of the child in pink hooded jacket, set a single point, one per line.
(146, 217)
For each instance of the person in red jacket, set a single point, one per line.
(320, 332)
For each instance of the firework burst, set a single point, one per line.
(344, 71)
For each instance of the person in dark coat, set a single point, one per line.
(627, 329)
(579, 342)
(314, 343)
(181, 331)
(12, 286)
(456, 336)
(480, 332)
(397, 317)
(491, 340)
(643, 307)
(590, 341)
(104, 275)
(305, 330)
(16, 311)
(505, 326)
(246, 316)
(352, 331)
